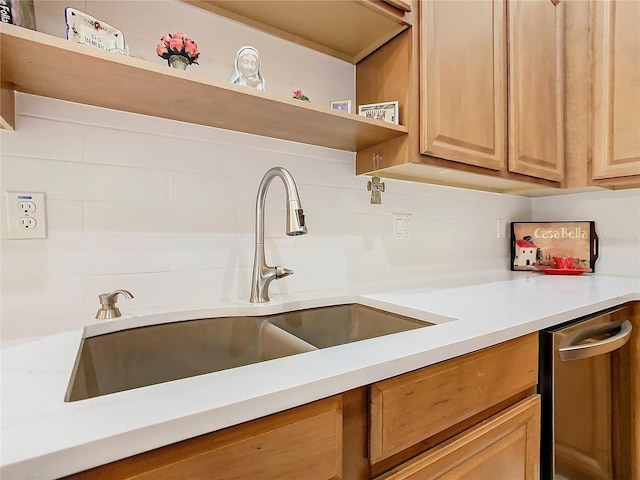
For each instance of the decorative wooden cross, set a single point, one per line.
(376, 187)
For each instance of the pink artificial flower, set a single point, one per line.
(297, 93)
(162, 50)
(176, 43)
(191, 48)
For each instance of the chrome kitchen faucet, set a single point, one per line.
(263, 274)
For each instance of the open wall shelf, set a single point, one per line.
(40, 64)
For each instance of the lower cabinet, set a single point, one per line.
(305, 442)
(504, 447)
(419, 411)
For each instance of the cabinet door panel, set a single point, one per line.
(616, 89)
(536, 139)
(503, 447)
(463, 89)
(408, 409)
(305, 442)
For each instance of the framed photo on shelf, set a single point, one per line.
(342, 105)
(386, 111)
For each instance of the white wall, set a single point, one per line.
(617, 217)
(286, 67)
(166, 209)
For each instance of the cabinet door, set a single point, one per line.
(616, 89)
(463, 81)
(410, 408)
(536, 139)
(504, 447)
(305, 442)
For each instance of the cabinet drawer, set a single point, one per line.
(503, 447)
(305, 442)
(413, 407)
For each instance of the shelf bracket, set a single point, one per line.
(7, 107)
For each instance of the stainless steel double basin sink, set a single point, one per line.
(143, 356)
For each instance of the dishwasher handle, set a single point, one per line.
(572, 349)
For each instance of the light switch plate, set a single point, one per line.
(402, 226)
(26, 215)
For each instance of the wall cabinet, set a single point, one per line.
(484, 100)
(475, 82)
(602, 94)
(616, 89)
(463, 81)
(536, 85)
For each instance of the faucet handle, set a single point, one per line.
(108, 307)
(282, 272)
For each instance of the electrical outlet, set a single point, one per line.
(26, 215)
(402, 226)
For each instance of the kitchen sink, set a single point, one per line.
(138, 357)
(340, 324)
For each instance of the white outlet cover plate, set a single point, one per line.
(402, 226)
(26, 215)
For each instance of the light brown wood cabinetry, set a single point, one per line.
(616, 89)
(603, 93)
(348, 30)
(475, 83)
(504, 447)
(536, 83)
(484, 98)
(463, 77)
(408, 410)
(305, 442)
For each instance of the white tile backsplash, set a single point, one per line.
(617, 217)
(165, 209)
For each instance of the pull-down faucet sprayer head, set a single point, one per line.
(295, 218)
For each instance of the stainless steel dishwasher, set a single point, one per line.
(586, 398)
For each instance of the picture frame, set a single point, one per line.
(386, 111)
(342, 105)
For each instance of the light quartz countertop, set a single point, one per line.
(44, 437)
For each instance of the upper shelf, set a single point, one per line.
(348, 29)
(40, 64)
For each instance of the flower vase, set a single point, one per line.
(179, 62)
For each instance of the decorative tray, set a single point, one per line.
(534, 244)
(83, 28)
